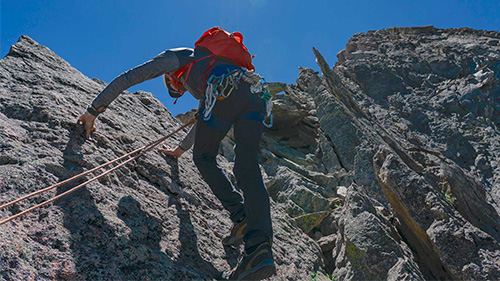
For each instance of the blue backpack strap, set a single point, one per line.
(223, 69)
(252, 115)
(257, 116)
(215, 123)
(223, 126)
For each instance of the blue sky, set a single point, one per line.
(104, 38)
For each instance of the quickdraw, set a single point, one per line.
(262, 88)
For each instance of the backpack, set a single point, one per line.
(219, 43)
(228, 45)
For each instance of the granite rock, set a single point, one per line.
(153, 219)
(382, 167)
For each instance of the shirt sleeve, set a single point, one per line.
(188, 141)
(166, 61)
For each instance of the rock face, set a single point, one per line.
(385, 167)
(154, 219)
(389, 161)
(421, 108)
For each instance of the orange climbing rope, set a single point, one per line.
(139, 152)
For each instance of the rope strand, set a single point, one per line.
(141, 151)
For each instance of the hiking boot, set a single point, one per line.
(257, 265)
(237, 232)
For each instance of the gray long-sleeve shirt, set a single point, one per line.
(167, 61)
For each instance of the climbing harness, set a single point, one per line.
(225, 79)
(139, 152)
(219, 87)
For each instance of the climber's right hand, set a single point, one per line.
(87, 120)
(172, 152)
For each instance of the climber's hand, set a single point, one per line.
(87, 120)
(172, 152)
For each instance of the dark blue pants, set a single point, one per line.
(247, 133)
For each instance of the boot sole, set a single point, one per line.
(236, 240)
(264, 270)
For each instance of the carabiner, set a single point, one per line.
(270, 121)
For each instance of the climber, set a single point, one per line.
(236, 102)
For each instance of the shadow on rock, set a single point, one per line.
(104, 249)
(100, 248)
(93, 241)
(142, 255)
(187, 229)
(189, 254)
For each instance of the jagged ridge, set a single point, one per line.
(388, 162)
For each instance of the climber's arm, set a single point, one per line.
(184, 145)
(166, 61)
